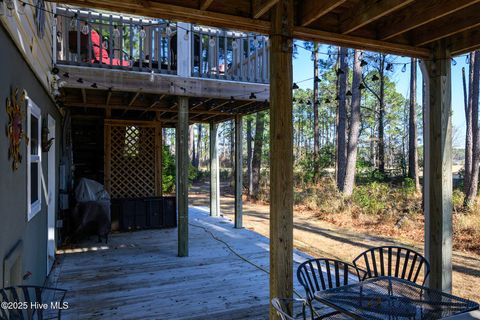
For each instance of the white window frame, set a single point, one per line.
(33, 208)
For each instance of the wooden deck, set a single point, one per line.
(139, 276)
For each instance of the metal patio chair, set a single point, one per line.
(393, 261)
(25, 303)
(322, 274)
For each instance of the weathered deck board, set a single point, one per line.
(139, 276)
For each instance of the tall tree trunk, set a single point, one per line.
(381, 118)
(249, 157)
(342, 118)
(257, 153)
(472, 191)
(196, 159)
(355, 118)
(412, 127)
(468, 130)
(191, 143)
(316, 134)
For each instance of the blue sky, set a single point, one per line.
(303, 69)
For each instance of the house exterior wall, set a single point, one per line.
(36, 50)
(16, 73)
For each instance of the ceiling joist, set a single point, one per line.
(419, 14)
(314, 9)
(368, 11)
(260, 7)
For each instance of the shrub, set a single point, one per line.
(372, 198)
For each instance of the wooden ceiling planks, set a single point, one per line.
(379, 25)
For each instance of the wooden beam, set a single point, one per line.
(123, 107)
(204, 4)
(368, 11)
(419, 14)
(132, 101)
(438, 167)
(238, 172)
(260, 7)
(281, 153)
(128, 81)
(312, 10)
(466, 19)
(214, 172)
(464, 42)
(174, 12)
(182, 175)
(359, 42)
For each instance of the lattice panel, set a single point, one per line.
(133, 156)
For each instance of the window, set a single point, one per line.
(34, 164)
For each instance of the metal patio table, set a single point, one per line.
(393, 298)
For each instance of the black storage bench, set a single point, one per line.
(145, 213)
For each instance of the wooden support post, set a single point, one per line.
(184, 49)
(214, 173)
(438, 167)
(281, 154)
(238, 172)
(182, 175)
(158, 159)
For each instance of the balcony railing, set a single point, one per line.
(102, 40)
(229, 55)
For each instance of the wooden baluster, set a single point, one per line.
(131, 42)
(158, 48)
(225, 55)
(78, 36)
(110, 39)
(120, 28)
(200, 62)
(150, 46)
(140, 47)
(101, 38)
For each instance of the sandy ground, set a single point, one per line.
(322, 239)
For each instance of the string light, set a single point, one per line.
(234, 44)
(339, 71)
(375, 78)
(312, 56)
(168, 30)
(73, 22)
(467, 59)
(295, 86)
(295, 50)
(389, 67)
(143, 33)
(255, 41)
(363, 63)
(309, 103)
(232, 99)
(94, 85)
(454, 62)
(186, 35)
(85, 28)
(349, 93)
(361, 86)
(152, 76)
(211, 42)
(116, 32)
(404, 68)
(327, 100)
(253, 96)
(80, 80)
(317, 79)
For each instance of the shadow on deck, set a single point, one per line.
(139, 276)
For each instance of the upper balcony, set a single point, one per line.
(97, 40)
(132, 63)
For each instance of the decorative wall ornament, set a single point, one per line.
(15, 130)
